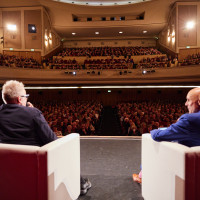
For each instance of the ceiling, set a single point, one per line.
(102, 2)
(62, 12)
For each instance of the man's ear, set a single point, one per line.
(19, 99)
(199, 102)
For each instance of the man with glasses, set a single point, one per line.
(21, 123)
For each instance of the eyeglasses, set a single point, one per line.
(26, 96)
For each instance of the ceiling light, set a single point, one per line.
(97, 33)
(190, 24)
(73, 33)
(144, 31)
(120, 32)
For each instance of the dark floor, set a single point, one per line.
(109, 164)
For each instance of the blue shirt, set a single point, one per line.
(185, 131)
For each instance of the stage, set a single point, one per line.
(109, 163)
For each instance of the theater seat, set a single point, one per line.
(170, 171)
(50, 172)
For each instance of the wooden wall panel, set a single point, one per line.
(12, 39)
(102, 95)
(33, 40)
(187, 37)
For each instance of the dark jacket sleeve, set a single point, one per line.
(179, 131)
(43, 131)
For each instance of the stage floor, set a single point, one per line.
(109, 163)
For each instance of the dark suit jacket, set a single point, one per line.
(24, 125)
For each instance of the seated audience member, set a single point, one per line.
(56, 131)
(34, 129)
(186, 130)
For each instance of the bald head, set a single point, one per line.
(193, 100)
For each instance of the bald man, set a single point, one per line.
(186, 130)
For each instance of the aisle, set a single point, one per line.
(110, 125)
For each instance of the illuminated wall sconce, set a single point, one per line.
(11, 27)
(168, 35)
(50, 38)
(190, 25)
(173, 37)
(46, 40)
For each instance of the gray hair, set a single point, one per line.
(11, 90)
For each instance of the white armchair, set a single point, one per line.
(170, 171)
(50, 172)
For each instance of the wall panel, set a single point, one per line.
(116, 95)
(12, 39)
(33, 40)
(187, 37)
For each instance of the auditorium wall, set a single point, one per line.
(110, 43)
(33, 31)
(167, 36)
(186, 41)
(33, 40)
(109, 98)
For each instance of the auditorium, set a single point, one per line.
(102, 75)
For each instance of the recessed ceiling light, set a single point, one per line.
(97, 33)
(120, 32)
(73, 33)
(144, 31)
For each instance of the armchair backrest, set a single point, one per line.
(51, 172)
(169, 170)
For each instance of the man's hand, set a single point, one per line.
(29, 104)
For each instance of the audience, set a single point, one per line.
(141, 117)
(108, 63)
(193, 59)
(68, 117)
(109, 51)
(154, 62)
(15, 61)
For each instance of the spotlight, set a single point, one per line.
(144, 71)
(74, 73)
